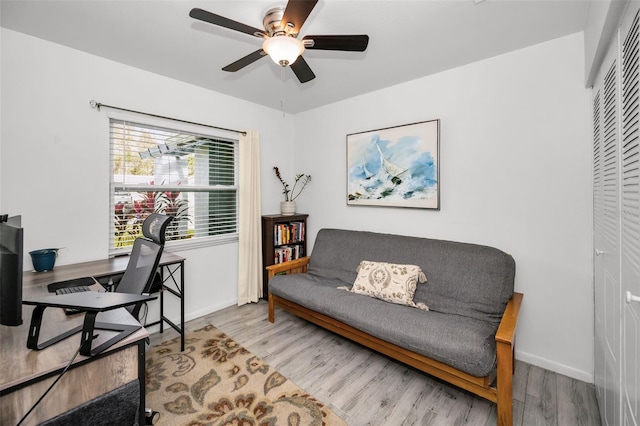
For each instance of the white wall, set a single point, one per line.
(515, 174)
(55, 153)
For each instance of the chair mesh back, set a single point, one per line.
(140, 271)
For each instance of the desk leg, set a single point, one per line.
(182, 306)
(142, 381)
(178, 291)
(162, 304)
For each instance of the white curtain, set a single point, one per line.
(250, 236)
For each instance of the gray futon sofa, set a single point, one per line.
(467, 335)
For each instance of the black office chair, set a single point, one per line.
(145, 256)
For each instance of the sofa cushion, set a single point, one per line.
(390, 282)
(465, 279)
(464, 343)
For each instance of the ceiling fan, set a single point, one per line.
(281, 28)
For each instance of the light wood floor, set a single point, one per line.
(366, 388)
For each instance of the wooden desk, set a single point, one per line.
(26, 374)
(170, 265)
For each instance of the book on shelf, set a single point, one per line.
(287, 253)
(287, 233)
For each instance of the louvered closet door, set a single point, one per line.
(607, 238)
(630, 220)
(598, 217)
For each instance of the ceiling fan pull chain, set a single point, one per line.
(282, 90)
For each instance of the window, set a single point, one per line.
(190, 176)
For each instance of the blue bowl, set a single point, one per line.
(44, 259)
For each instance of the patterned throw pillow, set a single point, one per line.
(389, 282)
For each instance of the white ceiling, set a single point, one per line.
(408, 40)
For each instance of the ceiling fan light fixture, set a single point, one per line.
(283, 49)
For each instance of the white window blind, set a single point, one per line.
(192, 177)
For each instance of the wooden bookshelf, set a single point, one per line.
(283, 238)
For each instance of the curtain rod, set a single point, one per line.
(97, 105)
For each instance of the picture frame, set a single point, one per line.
(395, 166)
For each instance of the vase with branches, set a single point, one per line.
(290, 194)
(288, 206)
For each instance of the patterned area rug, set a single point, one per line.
(215, 381)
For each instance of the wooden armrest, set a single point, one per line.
(507, 328)
(290, 267)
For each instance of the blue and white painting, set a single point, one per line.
(396, 166)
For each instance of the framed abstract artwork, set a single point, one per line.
(395, 166)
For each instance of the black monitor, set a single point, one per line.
(11, 254)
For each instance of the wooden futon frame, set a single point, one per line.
(497, 387)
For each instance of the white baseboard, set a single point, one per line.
(197, 314)
(565, 370)
(209, 309)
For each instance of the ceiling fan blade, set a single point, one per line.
(297, 12)
(221, 21)
(302, 70)
(247, 60)
(351, 43)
